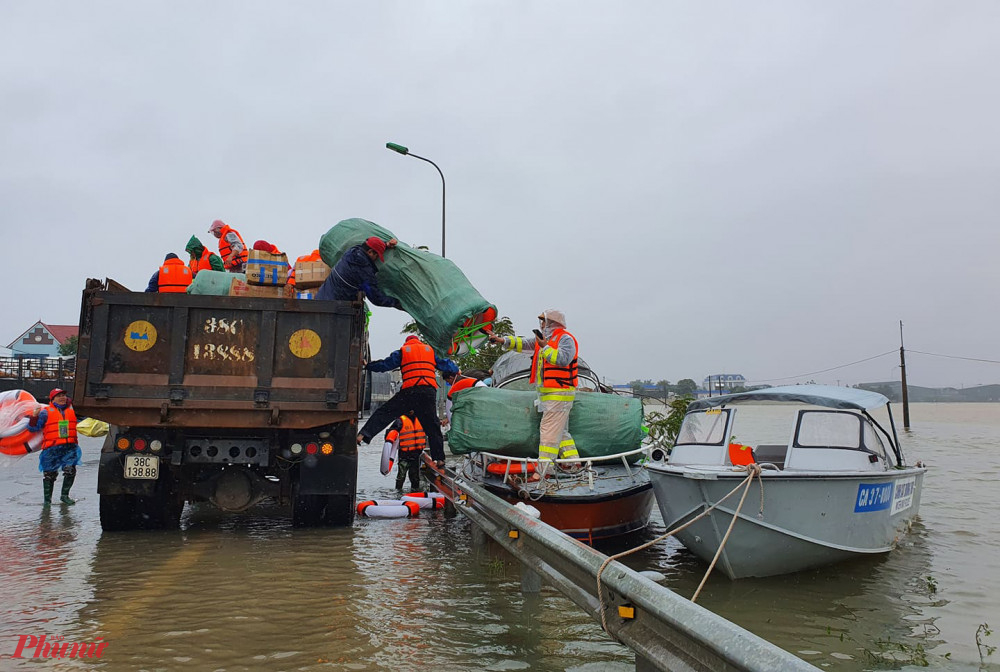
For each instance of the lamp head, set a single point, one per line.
(397, 148)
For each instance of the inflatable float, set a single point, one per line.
(426, 500)
(389, 451)
(388, 508)
(16, 407)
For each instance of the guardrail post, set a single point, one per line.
(531, 581)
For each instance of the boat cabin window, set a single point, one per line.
(835, 429)
(706, 427)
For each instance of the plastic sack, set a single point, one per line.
(92, 427)
(506, 422)
(433, 290)
(15, 407)
(214, 283)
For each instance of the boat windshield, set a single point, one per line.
(706, 427)
(837, 429)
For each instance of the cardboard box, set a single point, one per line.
(264, 268)
(307, 294)
(240, 288)
(310, 274)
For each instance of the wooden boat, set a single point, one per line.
(833, 482)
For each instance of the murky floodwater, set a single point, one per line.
(235, 592)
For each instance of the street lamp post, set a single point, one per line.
(406, 152)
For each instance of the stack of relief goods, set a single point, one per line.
(309, 276)
(433, 290)
(266, 276)
(506, 422)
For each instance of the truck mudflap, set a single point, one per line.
(331, 475)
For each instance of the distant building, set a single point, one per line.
(721, 383)
(42, 340)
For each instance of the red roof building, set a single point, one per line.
(42, 340)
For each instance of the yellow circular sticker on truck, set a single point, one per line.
(140, 336)
(305, 343)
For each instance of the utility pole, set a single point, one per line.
(902, 374)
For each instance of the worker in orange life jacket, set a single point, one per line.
(418, 364)
(232, 249)
(410, 439)
(60, 449)
(174, 276)
(202, 259)
(554, 372)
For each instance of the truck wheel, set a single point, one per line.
(117, 512)
(158, 512)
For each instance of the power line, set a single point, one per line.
(832, 368)
(969, 359)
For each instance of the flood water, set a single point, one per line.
(247, 592)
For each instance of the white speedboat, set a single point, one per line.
(833, 482)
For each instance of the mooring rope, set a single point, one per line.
(753, 470)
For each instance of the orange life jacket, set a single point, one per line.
(225, 248)
(412, 438)
(563, 377)
(174, 276)
(418, 365)
(462, 383)
(55, 433)
(202, 264)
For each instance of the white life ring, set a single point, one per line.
(388, 508)
(389, 451)
(426, 500)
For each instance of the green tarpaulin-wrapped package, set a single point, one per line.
(214, 283)
(506, 422)
(433, 290)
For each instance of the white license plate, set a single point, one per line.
(142, 466)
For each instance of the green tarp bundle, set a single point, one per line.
(214, 283)
(502, 421)
(433, 290)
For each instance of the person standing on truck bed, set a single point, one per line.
(232, 249)
(173, 277)
(202, 259)
(356, 272)
(417, 362)
(60, 449)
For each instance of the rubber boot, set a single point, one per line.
(47, 487)
(67, 484)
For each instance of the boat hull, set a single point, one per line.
(621, 503)
(807, 520)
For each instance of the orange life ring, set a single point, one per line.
(381, 508)
(500, 468)
(15, 408)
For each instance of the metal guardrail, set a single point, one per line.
(666, 631)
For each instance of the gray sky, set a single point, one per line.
(762, 188)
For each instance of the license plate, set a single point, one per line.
(142, 466)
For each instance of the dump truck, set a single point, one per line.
(220, 399)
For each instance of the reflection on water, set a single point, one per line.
(232, 592)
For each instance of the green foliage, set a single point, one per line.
(982, 633)
(69, 347)
(685, 387)
(664, 427)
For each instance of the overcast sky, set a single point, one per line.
(762, 188)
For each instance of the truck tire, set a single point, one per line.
(159, 512)
(117, 512)
(339, 511)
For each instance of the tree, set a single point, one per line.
(685, 387)
(68, 347)
(639, 386)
